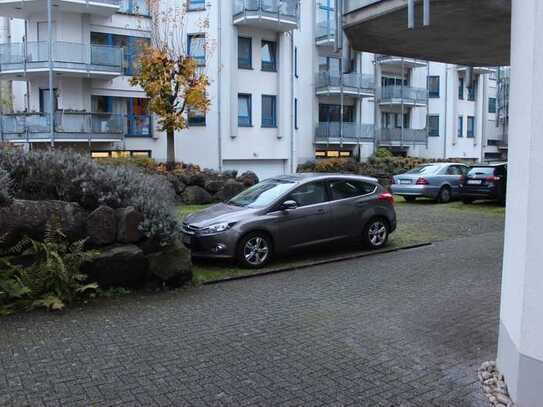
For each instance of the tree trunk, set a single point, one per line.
(170, 147)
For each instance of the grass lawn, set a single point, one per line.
(479, 207)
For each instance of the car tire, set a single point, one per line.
(410, 198)
(444, 195)
(255, 250)
(375, 233)
(467, 201)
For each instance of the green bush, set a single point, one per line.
(51, 280)
(71, 177)
(383, 152)
(5, 187)
(145, 163)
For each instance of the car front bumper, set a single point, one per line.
(428, 191)
(221, 245)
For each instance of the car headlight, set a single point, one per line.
(216, 228)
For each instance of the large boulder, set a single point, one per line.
(30, 218)
(198, 179)
(231, 188)
(128, 225)
(172, 265)
(248, 179)
(102, 226)
(215, 185)
(196, 195)
(177, 182)
(117, 266)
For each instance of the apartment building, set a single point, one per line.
(285, 87)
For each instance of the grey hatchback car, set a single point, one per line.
(438, 181)
(290, 212)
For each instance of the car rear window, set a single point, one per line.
(476, 171)
(424, 169)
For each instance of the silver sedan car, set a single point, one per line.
(438, 181)
(290, 212)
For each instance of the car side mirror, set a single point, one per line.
(288, 205)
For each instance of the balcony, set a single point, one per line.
(406, 95)
(69, 59)
(349, 133)
(68, 127)
(325, 29)
(351, 84)
(273, 15)
(138, 126)
(27, 8)
(398, 62)
(397, 137)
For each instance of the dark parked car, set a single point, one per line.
(485, 182)
(290, 212)
(439, 181)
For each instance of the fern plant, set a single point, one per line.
(51, 281)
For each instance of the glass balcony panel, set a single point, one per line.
(138, 126)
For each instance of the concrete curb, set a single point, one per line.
(318, 263)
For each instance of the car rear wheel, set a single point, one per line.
(410, 198)
(375, 233)
(255, 250)
(444, 195)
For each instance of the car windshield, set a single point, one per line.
(262, 194)
(481, 171)
(423, 169)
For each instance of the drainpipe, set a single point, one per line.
(446, 111)
(219, 83)
(484, 117)
(50, 49)
(292, 117)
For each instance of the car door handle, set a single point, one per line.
(360, 203)
(320, 211)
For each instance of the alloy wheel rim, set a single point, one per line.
(445, 195)
(256, 251)
(377, 233)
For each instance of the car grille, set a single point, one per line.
(189, 229)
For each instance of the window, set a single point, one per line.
(245, 50)
(196, 5)
(471, 92)
(132, 46)
(491, 105)
(454, 170)
(244, 110)
(296, 113)
(460, 131)
(296, 62)
(332, 113)
(196, 117)
(433, 126)
(461, 88)
(269, 111)
(268, 56)
(349, 189)
(394, 81)
(333, 153)
(309, 194)
(137, 7)
(121, 154)
(261, 194)
(433, 86)
(471, 127)
(196, 48)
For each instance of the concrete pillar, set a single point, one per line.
(520, 349)
(284, 98)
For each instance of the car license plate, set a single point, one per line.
(405, 181)
(187, 239)
(474, 182)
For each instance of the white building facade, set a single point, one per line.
(284, 88)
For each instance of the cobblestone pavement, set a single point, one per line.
(408, 328)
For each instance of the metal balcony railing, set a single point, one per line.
(398, 136)
(352, 82)
(68, 55)
(138, 126)
(406, 94)
(335, 132)
(67, 125)
(280, 9)
(325, 29)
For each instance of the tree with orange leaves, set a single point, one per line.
(171, 78)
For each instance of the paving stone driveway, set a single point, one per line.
(403, 329)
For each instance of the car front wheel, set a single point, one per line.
(375, 233)
(255, 250)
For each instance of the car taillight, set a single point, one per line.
(422, 181)
(386, 196)
(492, 178)
(462, 178)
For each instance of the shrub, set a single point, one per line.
(383, 152)
(145, 163)
(68, 176)
(51, 280)
(5, 187)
